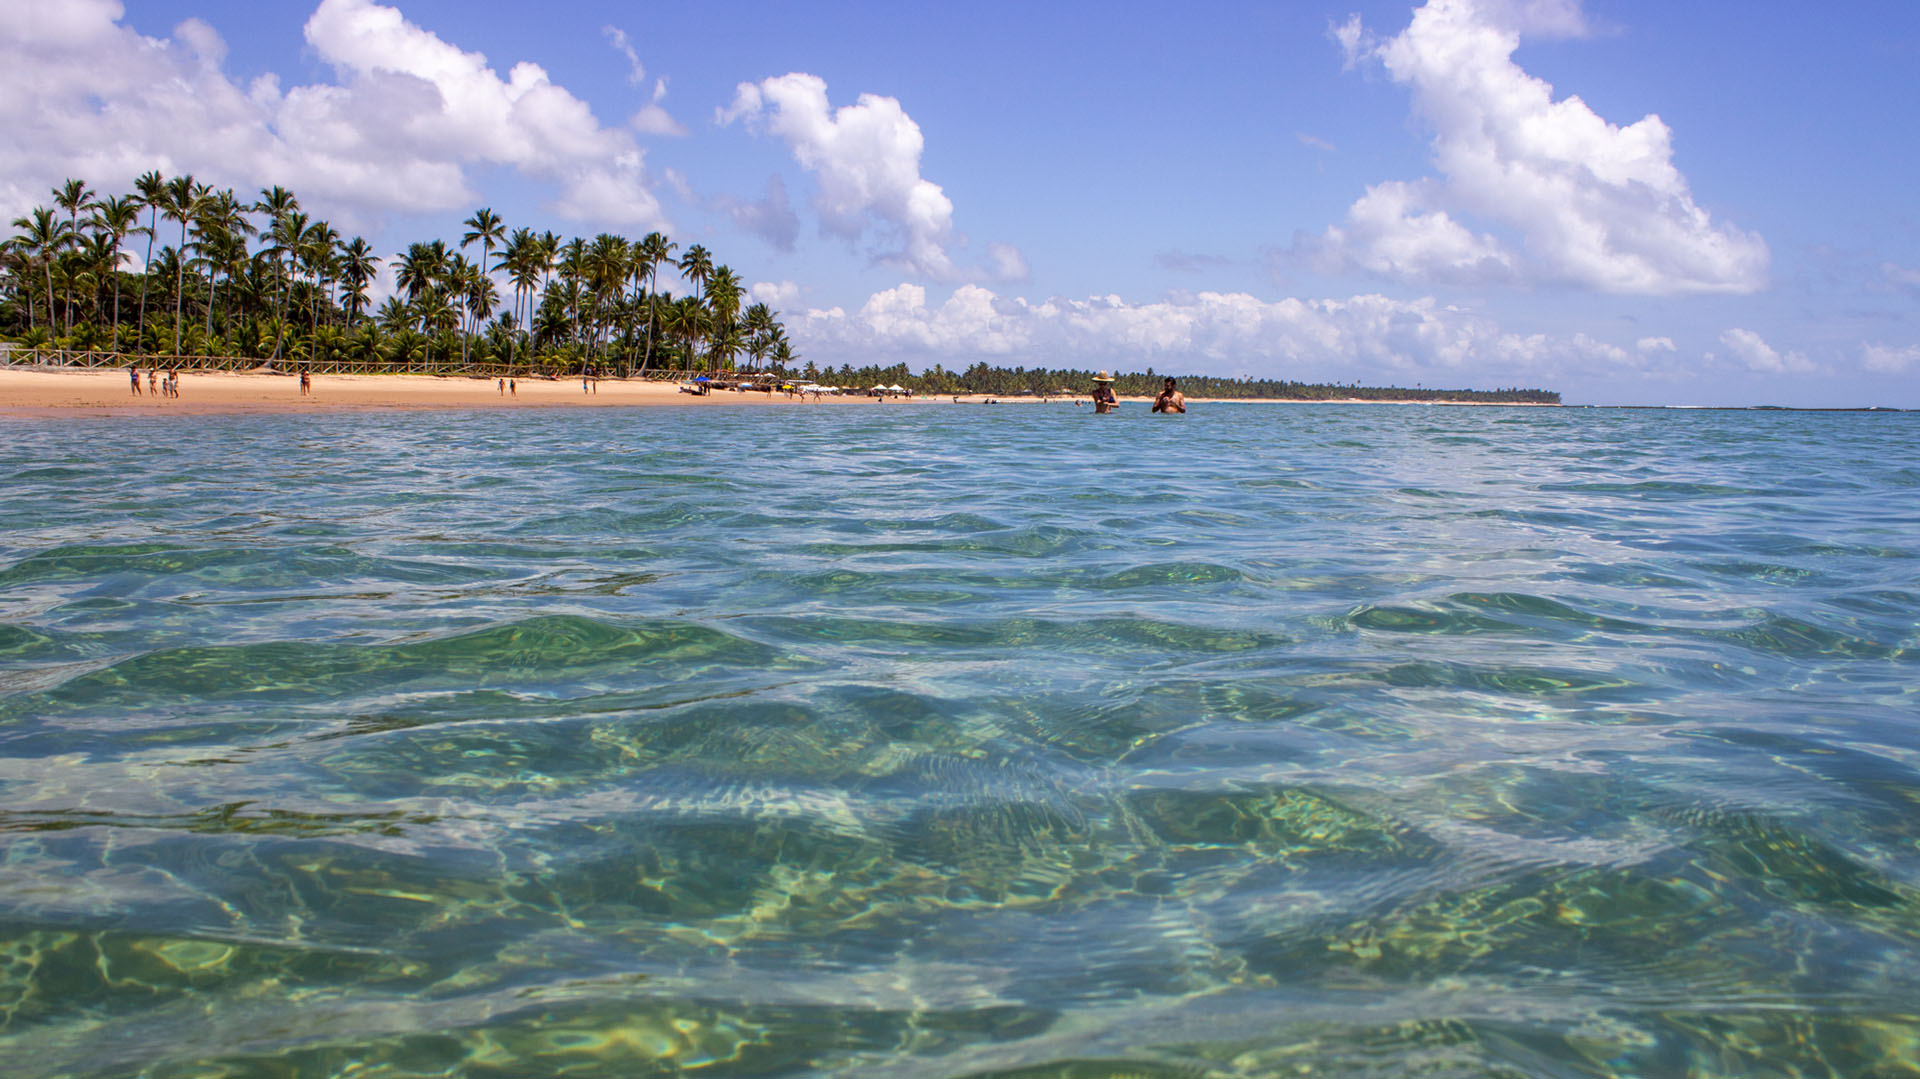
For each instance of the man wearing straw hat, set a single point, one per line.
(1103, 398)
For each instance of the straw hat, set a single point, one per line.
(1103, 377)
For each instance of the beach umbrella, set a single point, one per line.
(896, 389)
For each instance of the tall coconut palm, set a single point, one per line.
(604, 267)
(696, 266)
(276, 203)
(221, 229)
(179, 202)
(457, 279)
(420, 268)
(653, 250)
(94, 255)
(357, 267)
(481, 298)
(224, 252)
(759, 326)
(73, 197)
(42, 236)
(151, 188)
(485, 229)
(522, 260)
(685, 322)
(115, 218)
(723, 308)
(314, 254)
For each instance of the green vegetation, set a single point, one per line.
(1018, 381)
(265, 280)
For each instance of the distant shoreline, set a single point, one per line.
(28, 392)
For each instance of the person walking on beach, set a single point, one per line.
(135, 372)
(1170, 399)
(503, 387)
(513, 388)
(1103, 398)
(306, 382)
(153, 379)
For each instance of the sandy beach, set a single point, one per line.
(105, 392)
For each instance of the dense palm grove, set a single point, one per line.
(264, 279)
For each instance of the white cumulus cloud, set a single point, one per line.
(779, 295)
(1545, 189)
(398, 128)
(866, 159)
(1890, 360)
(1752, 350)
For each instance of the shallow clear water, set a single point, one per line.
(1330, 741)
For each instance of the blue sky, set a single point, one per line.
(1631, 202)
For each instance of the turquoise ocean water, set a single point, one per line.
(939, 741)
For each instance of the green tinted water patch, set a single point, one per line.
(556, 653)
(938, 642)
(1286, 825)
(227, 569)
(1779, 636)
(1511, 679)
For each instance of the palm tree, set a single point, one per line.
(42, 236)
(394, 315)
(221, 227)
(604, 266)
(481, 298)
(421, 268)
(723, 304)
(179, 201)
(152, 188)
(314, 254)
(115, 218)
(276, 203)
(224, 251)
(485, 228)
(652, 251)
(686, 322)
(761, 330)
(94, 256)
(73, 197)
(356, 272)
(696, 266)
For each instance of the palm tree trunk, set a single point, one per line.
(146, 269)
(179, 286)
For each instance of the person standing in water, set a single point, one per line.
(1103, 398)
(1170, 399)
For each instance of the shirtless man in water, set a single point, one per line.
(1170, 399)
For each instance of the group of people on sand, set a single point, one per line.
(509, 387)
(159, 385)
(1170, 398)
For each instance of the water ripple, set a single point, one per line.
(1334, 741)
